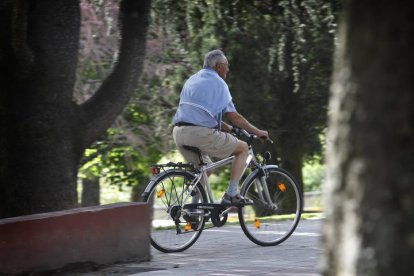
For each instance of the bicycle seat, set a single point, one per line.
(196, 151)
(193, 149)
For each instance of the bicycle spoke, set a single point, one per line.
(170, 232)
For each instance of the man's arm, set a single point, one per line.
(238, 120)
(226, 127)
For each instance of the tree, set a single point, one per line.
(117, 157)
(44, 132)
(370, 191)
(281, 58)
(281, 51)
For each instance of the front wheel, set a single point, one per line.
(275, 211)
(173, 228)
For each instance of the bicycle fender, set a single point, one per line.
(253, 174)
(155, 179)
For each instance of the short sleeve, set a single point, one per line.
(230, 107)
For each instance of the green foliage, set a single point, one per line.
(280, 55)
(281, 61)
(118, 163)
(313, 175)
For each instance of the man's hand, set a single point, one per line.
(262, 134)
(238, 120)
(226, 127)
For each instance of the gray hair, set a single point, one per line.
(213, 57)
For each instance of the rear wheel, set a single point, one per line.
(270, 223)
(174, 229)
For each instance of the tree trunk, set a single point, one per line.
(290, 140)
(291, 155)
(45, 132)
(370, 156)
(41, 156)
(90, 192)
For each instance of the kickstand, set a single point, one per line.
(177, 226)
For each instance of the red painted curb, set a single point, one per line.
(100, 234)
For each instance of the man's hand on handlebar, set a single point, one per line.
(263, 135)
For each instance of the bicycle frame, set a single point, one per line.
(203, 175)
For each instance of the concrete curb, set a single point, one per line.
(100, 234)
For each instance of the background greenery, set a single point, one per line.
(280, 55)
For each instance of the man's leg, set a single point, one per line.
(238, 166)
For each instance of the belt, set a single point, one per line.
(184, 124)
(179, 124)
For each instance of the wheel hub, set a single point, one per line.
(175, 212)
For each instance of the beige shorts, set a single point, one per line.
(211, 142)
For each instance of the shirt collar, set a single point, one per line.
(210, 69)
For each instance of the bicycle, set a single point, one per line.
(181, 207)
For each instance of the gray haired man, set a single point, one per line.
(204, 99)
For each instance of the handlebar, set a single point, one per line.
(250, 137)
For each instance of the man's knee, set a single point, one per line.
(241, 148)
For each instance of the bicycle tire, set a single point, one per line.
(166, 197)
(266, 225)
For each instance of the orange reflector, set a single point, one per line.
(188, 226)
(281, 187)
(256, 223)
(160, 193)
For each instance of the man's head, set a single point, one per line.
(217, 60)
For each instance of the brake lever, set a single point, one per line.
(267, 139)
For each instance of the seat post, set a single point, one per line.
(196, 151)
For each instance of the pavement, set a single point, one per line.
(227, 251)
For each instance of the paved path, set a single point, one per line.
(227, 251)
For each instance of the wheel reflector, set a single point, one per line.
(160, 193)
(188, 226)
(256, 223)
(282, 187)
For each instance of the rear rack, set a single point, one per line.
(156, 169)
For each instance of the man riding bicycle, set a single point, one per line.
(204, 99)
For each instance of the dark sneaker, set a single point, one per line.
(192, 220)
(235, 200)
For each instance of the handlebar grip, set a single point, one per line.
(239, 131)
(236, 131)
(245, 133)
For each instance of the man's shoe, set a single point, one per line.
(235, 200)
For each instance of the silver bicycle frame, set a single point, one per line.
(203, 175)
